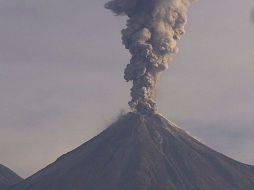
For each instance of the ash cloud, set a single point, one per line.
(153, 29)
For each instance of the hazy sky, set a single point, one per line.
(61, 78)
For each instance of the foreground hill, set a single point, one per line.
(8, 178)
(142, 153)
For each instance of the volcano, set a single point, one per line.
(142, 152)
(8, 178)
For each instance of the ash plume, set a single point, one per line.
(153, 29)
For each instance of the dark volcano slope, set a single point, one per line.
(8, 178)
(142, 153)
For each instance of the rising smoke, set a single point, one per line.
(153, 29)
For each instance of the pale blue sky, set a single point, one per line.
(61, 78)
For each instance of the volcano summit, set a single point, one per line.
(142, 152)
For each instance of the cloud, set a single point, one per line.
(153, 30)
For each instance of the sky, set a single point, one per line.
(61, 78)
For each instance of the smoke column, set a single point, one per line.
(153, 29)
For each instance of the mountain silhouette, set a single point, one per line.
(8, 178)
(142, 152)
